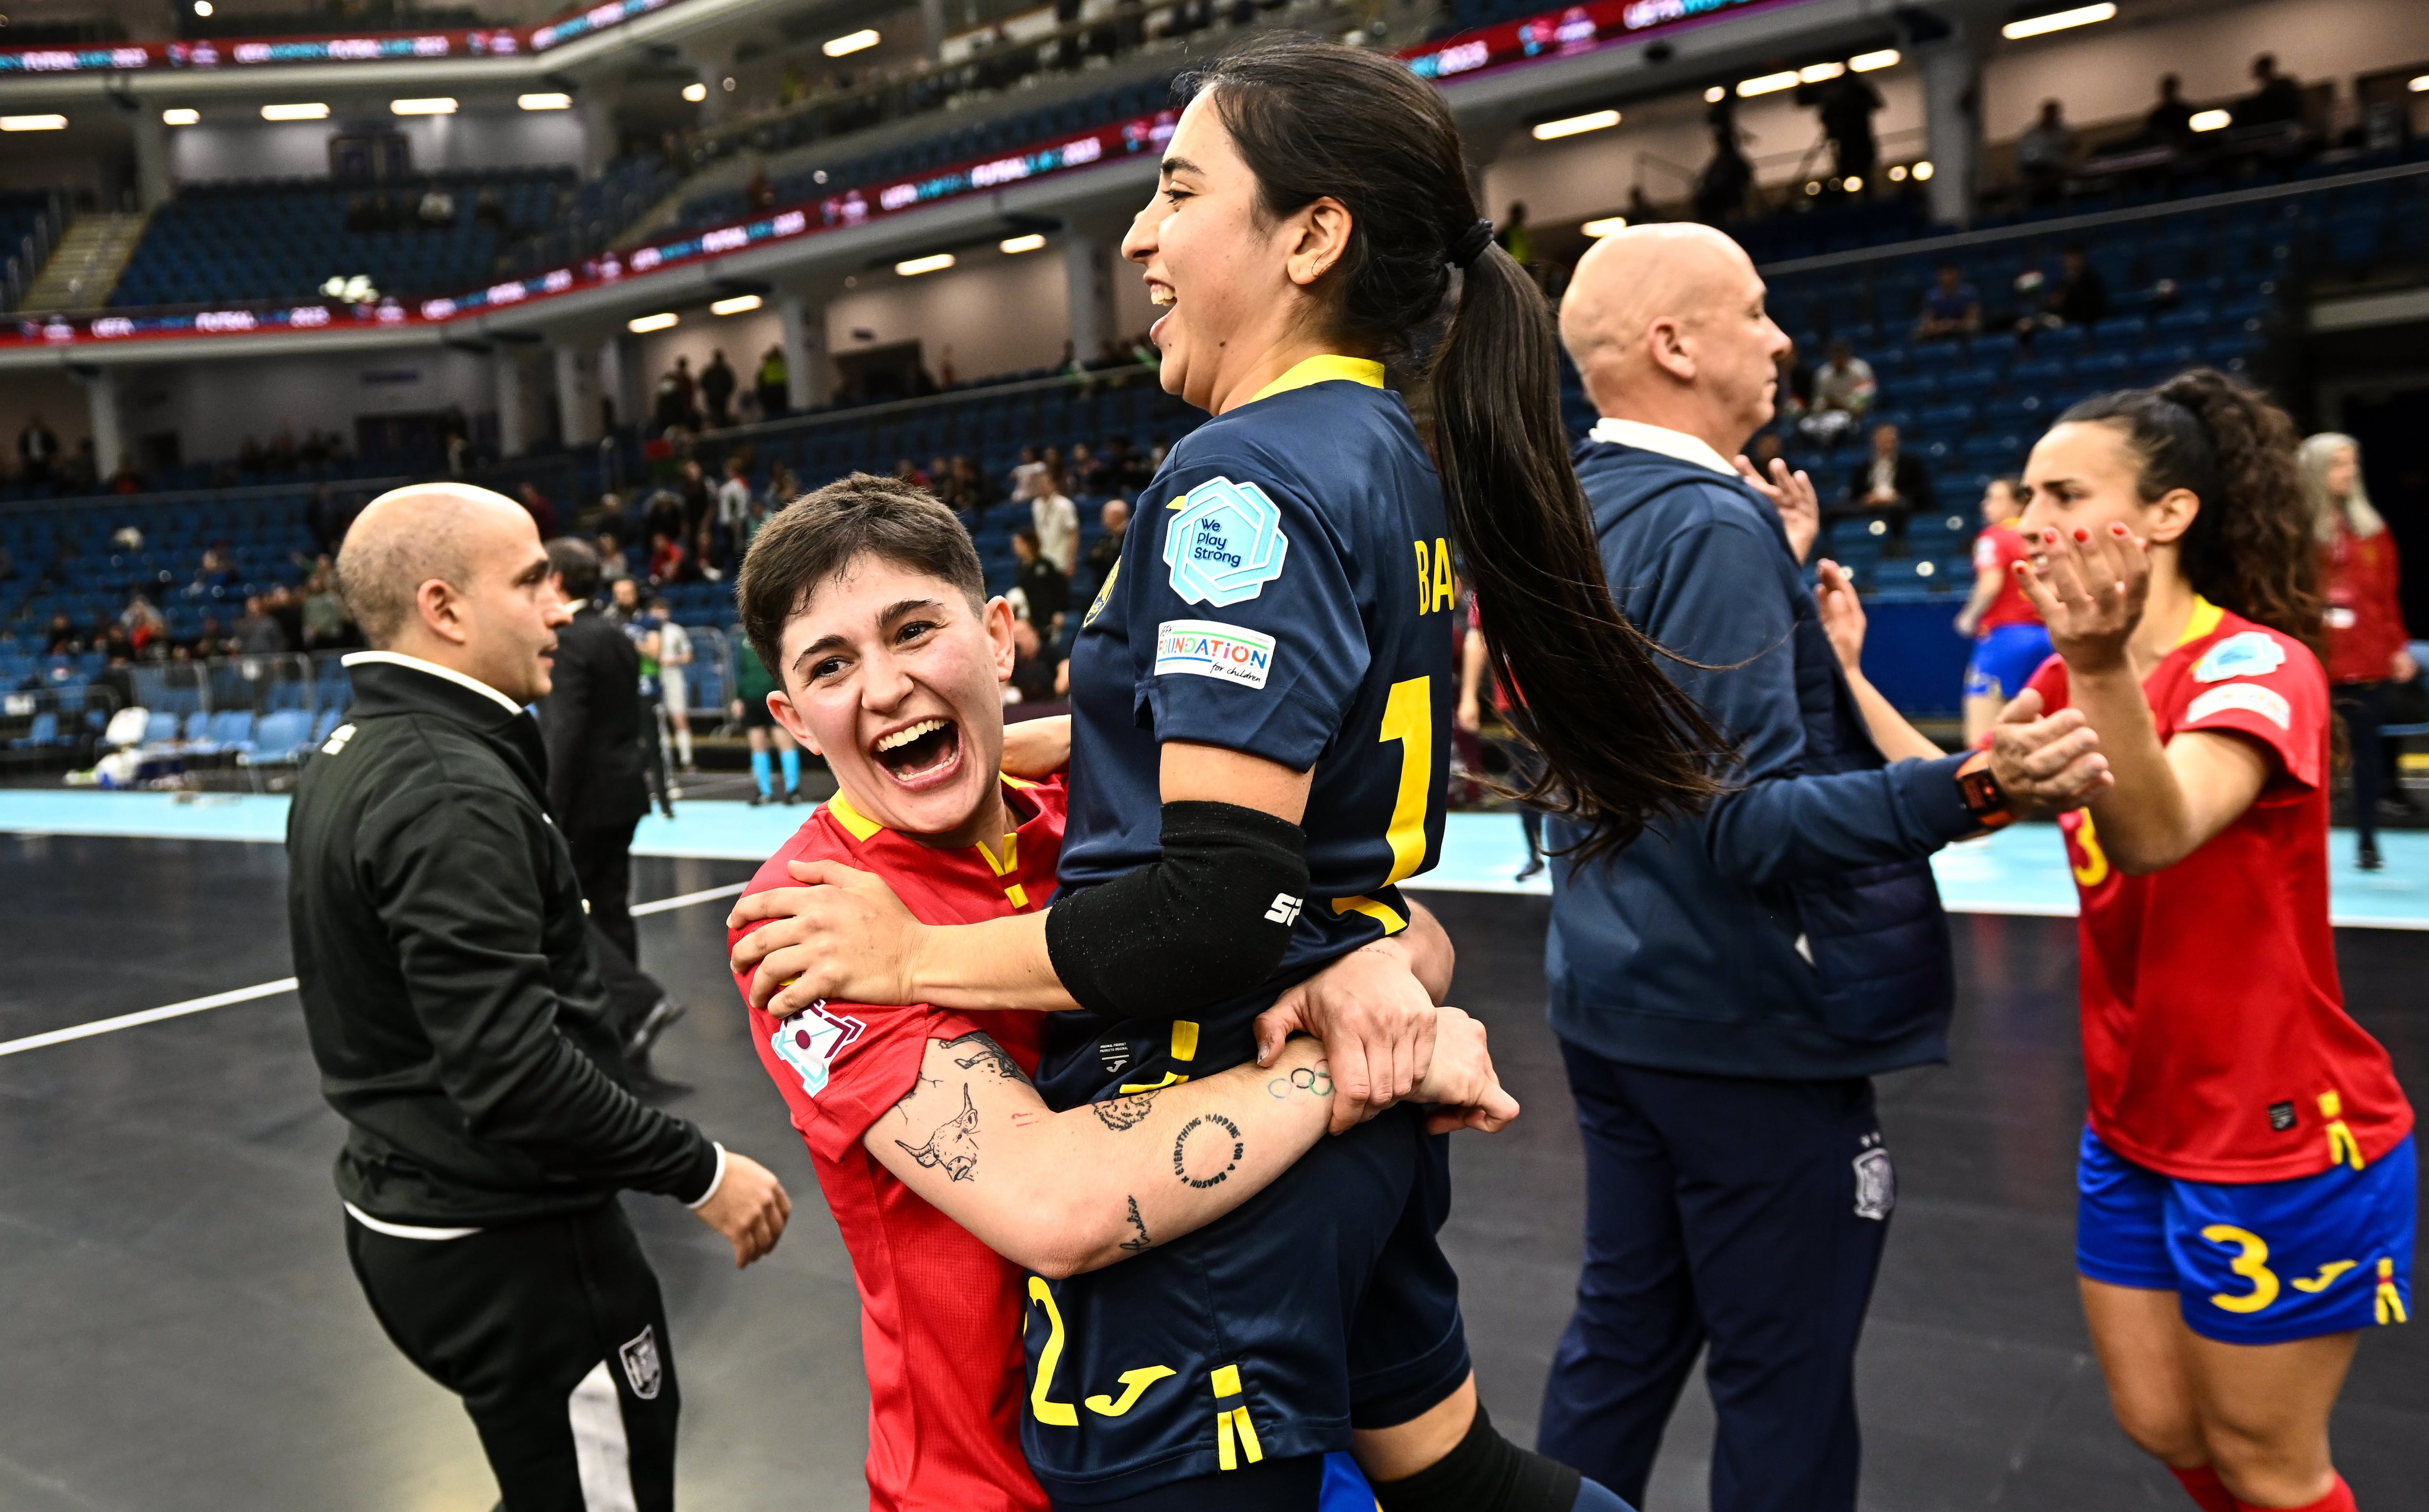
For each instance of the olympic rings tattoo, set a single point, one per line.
(1305, 1079)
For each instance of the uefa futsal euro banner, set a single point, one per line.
(214, 54)
(1564, 33)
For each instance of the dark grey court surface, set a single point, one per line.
(178, 1329)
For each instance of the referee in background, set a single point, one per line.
(462, 1031)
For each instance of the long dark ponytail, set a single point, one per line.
(2251, 547)
(1313, 119)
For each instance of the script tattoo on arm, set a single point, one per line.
(1134, 1245)
(954, 1146)
(1210, 1123)
(985, 1052)
(1124, 1112)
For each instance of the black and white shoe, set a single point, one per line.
(792, 796)
(2367, 858)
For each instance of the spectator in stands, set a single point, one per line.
(667, 563)
(1951, 308)
(1027, 476)
(699, 497)
(733, 512)
(2078, 296)
(1890, 486)
(258, 633)
(436, 210)
(975, 490)
(662, 514)
(782, 488)
(216, 571)
(2369, 654)
(1847, 105)
(542, 510)
(128, 479)
(758, 192)
(1032, 671)
(141, 622)
(324, 611)
(38, 451)
(489, 211)
(1843, 388)
(1720, 188)
(905, 470)
(775, 385)
(1083, 470)
(675, 674)
(676, 407)
(716, 384)
(1042, 591)
(2275, 99)
(2171, 122)
(613, 567)
(2044, 154)
(1056, 520)
(1115, 521)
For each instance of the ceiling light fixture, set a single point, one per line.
(1767, 84)
(2016, 31)
(44, 123)
(1867, 62)
(1820, 72)
(851, 41)
(544, 102)
(738, 305)
(1011, 245)
(437, 105)
(1716, 94)
(2211, 119)
(180, 116)
(1575, 125)
(644, 325)
(202, 9)
(1605, 226)
(695, 92)
(295, 112)
(933, 263)
(1922, 173)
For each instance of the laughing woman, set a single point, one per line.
(1261, 708)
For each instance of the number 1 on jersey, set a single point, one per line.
(1408, 718)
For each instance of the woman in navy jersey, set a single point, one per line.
(1261, 696)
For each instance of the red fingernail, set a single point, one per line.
(2081, 536)
(2118, 530)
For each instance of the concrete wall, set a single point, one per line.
(997, 314)
(237, 148)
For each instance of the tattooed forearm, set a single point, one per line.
(954, 1146)
(1315, 1081)
(985, 1052)
(1192, 1170)
(1124, 1112)
(1134, 1245)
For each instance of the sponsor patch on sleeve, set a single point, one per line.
(810, 1041)
(2245, 654)
(2268, 704)
(1225, 543)
(1204, 647)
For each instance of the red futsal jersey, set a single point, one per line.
(2215, 1041)
(940, 1313)
(1998, 549)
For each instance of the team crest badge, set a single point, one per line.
(810, 1041)
(641, 1357)
(2247, 653)
(1876, 1182)
(1225, 544)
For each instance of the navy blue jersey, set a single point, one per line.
(1287, 592)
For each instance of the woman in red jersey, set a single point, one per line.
(2247, 1179)
(2368, 652)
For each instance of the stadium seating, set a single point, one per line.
(225, 242)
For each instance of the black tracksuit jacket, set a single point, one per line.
(443, 958)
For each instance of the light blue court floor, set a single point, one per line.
(2020, 870)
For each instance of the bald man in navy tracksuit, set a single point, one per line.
(1726, 988)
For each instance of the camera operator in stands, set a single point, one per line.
(1726, 986)
(462, 1031)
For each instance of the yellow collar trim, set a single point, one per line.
(861, 827)
(1324, 369)
(2206, 616)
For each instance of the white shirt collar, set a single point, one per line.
(400, 659)
(1662, 438)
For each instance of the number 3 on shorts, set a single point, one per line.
(2251, 1262)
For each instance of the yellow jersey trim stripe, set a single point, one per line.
(857, 823)
(1324, 369)
(1382, 913)
(2204, 618)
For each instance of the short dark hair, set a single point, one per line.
(575, 563)
(824, 531)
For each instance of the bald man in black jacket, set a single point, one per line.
(463, 1033)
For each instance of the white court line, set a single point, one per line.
(270, 989)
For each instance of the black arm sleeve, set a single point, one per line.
(1208, 920)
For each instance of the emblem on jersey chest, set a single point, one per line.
(1225, 543)
(810, 1041)
(2247, 653)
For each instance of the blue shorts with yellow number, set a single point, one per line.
(1321, 1303)
(2264, 1263)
